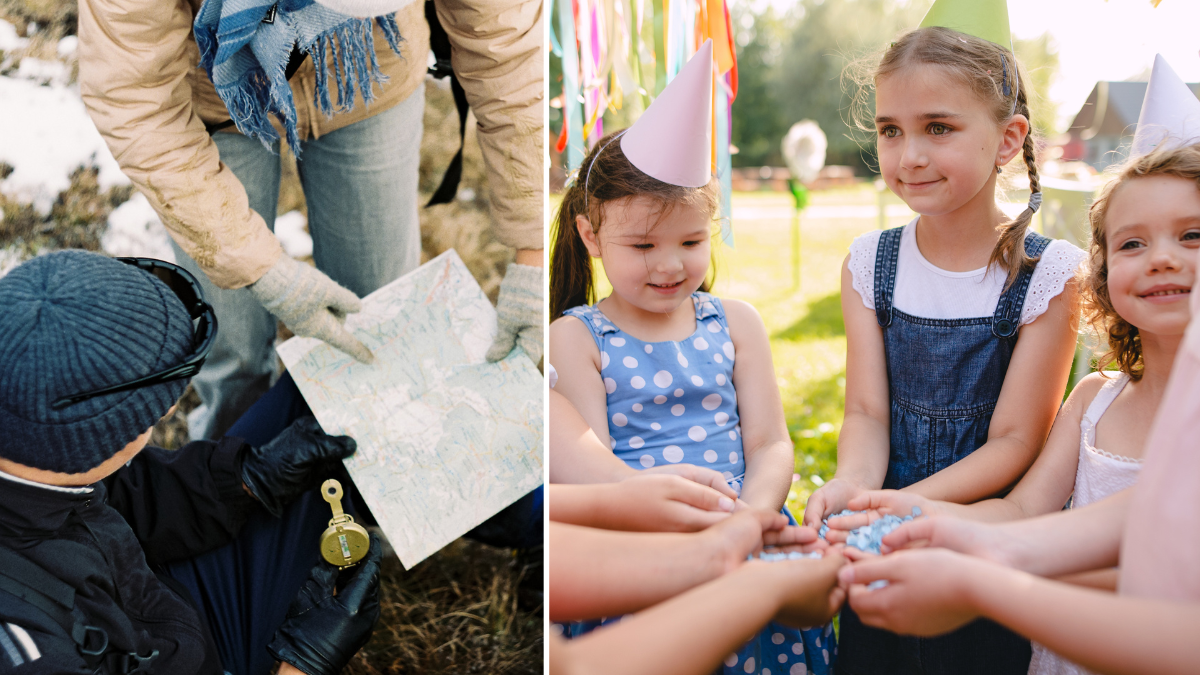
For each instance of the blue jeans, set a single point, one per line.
(360, 185)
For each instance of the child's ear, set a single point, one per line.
(1015, 131)
(584, 226)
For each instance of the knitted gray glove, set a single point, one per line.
(519, 313)
(310, 304)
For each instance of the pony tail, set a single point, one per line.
(571, 279)
(1010, 249)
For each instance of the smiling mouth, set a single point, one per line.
(666, 287)
(921, 184)
(1173, 291)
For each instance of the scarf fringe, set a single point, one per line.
(251, 99)
(354, 64)
(256, 95)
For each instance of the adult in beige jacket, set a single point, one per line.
(155, 108)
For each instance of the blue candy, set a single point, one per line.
(793, 555)
(869, 537)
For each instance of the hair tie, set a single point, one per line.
(588, 176)
(1035, 201)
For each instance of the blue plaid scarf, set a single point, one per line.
(245, 46)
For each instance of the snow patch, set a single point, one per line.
(9, 258)
(135, 230)
(42, 72)
(289, 230)
(67, 46)
(10, 40)
(45, 133)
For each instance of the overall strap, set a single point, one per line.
(1007, 319)
(886, 255)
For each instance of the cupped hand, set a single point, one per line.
(324, 628)
(663, 503)
(831, 497)
(696, 474)
(875, 504)
(928, 591)
(982, 540)
(744, 533)
(808, 589)
(795, 538)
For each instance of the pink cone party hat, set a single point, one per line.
(672, 140)
(1170, 111)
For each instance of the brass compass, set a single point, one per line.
(345, 542)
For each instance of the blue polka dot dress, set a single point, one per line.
(674, 402)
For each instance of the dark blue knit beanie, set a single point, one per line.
(71, 322)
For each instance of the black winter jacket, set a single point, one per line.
(162, 506)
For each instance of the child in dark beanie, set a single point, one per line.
(117, 558)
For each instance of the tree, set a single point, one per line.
(810, 62)
(1039, 61)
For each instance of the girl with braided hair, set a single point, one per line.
(961, 325)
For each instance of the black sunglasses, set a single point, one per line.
(187, 289)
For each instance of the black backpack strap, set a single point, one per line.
(27, 581)
(439, 42)
(34, 585)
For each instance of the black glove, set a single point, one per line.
(322, 632)
(295, 461)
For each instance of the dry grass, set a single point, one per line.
(77, 219)
(460, 611)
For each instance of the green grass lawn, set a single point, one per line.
(808, 340)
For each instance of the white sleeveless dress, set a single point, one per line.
(1099, 475)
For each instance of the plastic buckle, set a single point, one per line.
(81, 636)
(131, 662)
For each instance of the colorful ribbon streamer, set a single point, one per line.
(611, 50)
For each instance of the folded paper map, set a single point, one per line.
(445, 439)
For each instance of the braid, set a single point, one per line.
(1010, 249)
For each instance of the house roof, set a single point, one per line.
(1112, 109)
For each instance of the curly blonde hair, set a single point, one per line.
(1124, 342)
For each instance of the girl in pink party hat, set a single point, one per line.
(662, 370)
(961, 325)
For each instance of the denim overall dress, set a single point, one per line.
(944, 378)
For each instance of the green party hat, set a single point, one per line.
(985, 19)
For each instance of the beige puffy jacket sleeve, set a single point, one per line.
(497, 52)
(134, 57)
